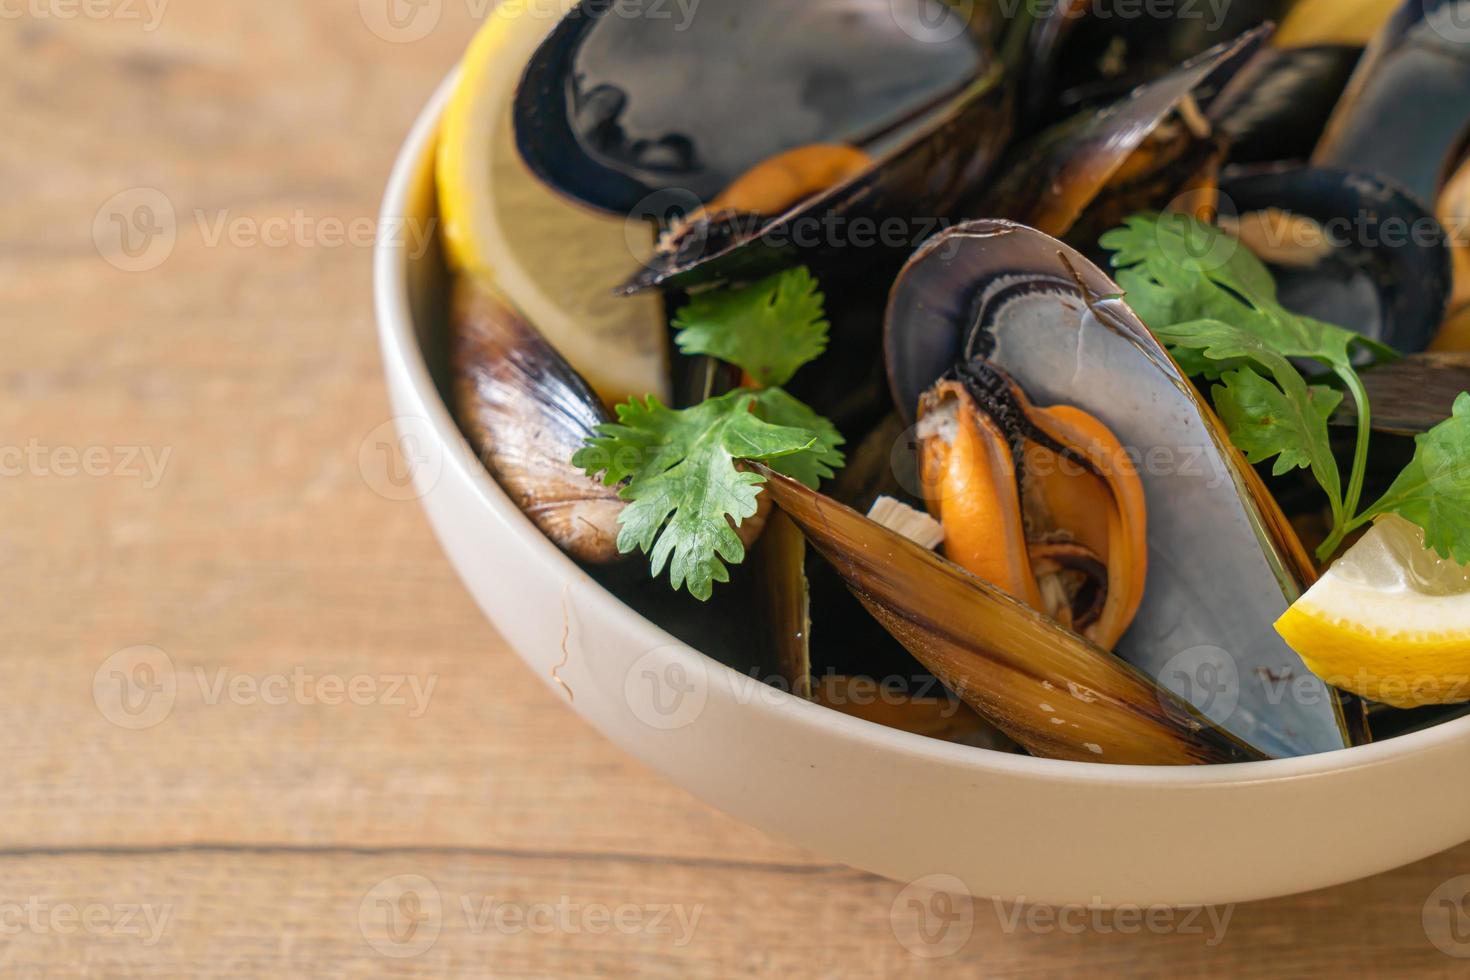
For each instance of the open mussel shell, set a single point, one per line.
(1049, 182)
(1050, 690)
(526, 412)
(864, 680)
(1277, 107)
(1452, 207)
(1368, 256)
(640, 113)
(1409, 100)
(1223, 564)
(1085, 53)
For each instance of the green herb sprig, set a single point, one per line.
(1215, 305)
(679, 468)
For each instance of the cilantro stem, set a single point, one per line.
(1365, 431)
(1349, 519)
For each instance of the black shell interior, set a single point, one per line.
(630, 97)
(1388, 274)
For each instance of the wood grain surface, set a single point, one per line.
(186, 491)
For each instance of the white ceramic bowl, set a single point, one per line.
(886, 801)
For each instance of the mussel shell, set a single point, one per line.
(1086, 53)
(1049, 690)
(1223, 562)
(1388, 274)
(1278, 107)
(526, 412)
(1049, 182)
(1409, 99)
(634, 115)
(785, 601)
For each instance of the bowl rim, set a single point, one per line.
(402, 351)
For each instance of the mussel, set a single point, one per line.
(1409, 99)
(1084, 175)
(864, 673)
(1024, 311)
(1452, 206)
(1345, 247)
(1087, 53)
(526, 412)
(761, 133)
(1052, 691)
(1041, 502)
(1278, 106)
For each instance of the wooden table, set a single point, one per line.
(181, 435)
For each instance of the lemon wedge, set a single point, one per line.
(1321, 22)
(1390, 620)
(553, 261)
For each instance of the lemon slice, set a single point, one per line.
(555, 262)
(1389, 620)
(1321, 22)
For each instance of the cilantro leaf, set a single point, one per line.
(1264, 421)
(1433, 491)
(678, 466)
(769, 329)
(1284, 420)
(811, 467)
(1176, 268)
